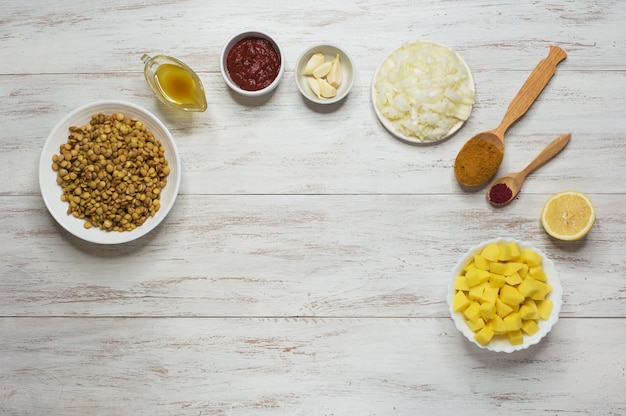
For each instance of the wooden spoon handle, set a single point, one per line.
(551, 150)
(531, 89)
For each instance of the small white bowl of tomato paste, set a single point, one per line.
(252, 63)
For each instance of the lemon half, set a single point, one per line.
(568, 215)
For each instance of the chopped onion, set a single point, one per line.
(424, 89)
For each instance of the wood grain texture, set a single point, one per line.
(304, 267)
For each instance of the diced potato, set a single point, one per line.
(513, 280)
(516, 337)
(484, 336)
(530, 327)
(537, 273)
(528, 310)
(470, 265)
(476, 276)
(472, 312)
(488, 310)
(516, 254)
(497, 280)
(510, 295)
(513, 321)
(543, 291)
(502, 309)
(491, 252)
(460, 301)
(498, 326)
(529, 287)
(480, 262)
(532, 257)
(476, 292)
(512, 268)
(505, 252)
(524, 270)
(490, 294)
(545, 308)
(461, 283)
(497, 267)
(476, 325)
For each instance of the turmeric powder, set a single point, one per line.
(477, 162)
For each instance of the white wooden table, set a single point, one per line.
(303, 269)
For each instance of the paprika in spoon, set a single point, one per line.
(508, 186)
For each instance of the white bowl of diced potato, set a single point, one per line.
(504, 295)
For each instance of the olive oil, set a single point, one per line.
(174, 83)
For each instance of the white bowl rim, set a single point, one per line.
(300, 78)
(545, 326)
(51, 194)
(231, 42)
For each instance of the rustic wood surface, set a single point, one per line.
(303, 269)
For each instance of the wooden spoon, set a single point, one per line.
(513, 181)
(525, 97)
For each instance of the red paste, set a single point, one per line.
(500, 193)
(253, 63)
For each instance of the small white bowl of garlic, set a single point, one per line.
(324, 74)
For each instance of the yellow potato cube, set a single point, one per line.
(543, 292)
(476, 325)
(460, 301)
(537, 273)
(516, 254)
(528, 310)
(528, 287)
(476, 276)
(512, 268)
(505, 252)
(513, 321)
(516, 337)
(470, 265)
(490, 294)
(484, 336)
(491, 252)
(497, 280)
(530, 327)
(545, 308)
(513, 280)
(497, 267)
(480, 262)
(461, 284)
(487, 310)
(498, 326)
(472, 312)
(502, 309)
(476, 292)
(510, 295)
(524, 270)
(532, 257)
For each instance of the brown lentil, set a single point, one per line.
(111, 172)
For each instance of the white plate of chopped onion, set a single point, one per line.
(423, 92)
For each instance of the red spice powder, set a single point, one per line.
(500, 193)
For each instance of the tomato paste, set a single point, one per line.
(253, 63)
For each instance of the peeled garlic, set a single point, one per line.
(322, 70)
(326, 90)
(334, 77)
(315, 86)
(316, 60)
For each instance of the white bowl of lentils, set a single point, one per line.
(109, 172)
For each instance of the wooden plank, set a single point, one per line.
(296, 366)
(340, 255)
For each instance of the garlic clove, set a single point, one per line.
(335, 75)
(322, 70)
(316, 60)
(326, 90)
(315, 86)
